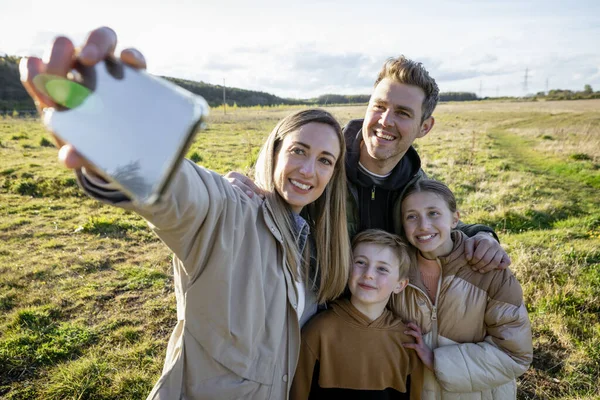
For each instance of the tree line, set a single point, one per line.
(14, 97)
(559, 94)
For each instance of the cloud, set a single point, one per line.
(300, 71)
(305, 70)
(220, 64)
(312, 60)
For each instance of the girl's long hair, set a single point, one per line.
(326, 215)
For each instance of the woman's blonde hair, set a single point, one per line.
(326, 215)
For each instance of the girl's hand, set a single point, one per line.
(63, 55)
(424, 352)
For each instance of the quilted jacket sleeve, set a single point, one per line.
(503, 355)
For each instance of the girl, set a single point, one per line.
(241, 273)
(476, 324)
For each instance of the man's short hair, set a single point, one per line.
(404, 70)
(398, 246)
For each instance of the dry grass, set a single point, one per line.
(86, 294)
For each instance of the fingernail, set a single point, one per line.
(89, 53)
(136, 53)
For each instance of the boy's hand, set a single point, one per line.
(424, 352)
(244, 183)
(485, 254)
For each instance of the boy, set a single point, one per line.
(354, 350)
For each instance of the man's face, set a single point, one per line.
(392, 123)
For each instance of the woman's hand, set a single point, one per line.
(424, 352)
(63, 55)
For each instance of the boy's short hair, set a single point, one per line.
(394, 242)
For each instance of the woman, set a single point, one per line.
(241, 273)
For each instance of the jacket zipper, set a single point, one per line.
(373, 193)
(434, 329)
(433, 304)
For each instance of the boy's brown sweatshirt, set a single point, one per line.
(342, 352)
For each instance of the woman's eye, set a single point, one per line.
(410, 217)
(298, 151)
(326, 161)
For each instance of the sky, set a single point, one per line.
(307, 48)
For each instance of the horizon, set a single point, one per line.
(492, 48)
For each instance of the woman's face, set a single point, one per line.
(305, 163)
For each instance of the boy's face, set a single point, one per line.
(374, 275)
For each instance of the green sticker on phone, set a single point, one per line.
(64, 92)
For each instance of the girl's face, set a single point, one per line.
(427, 222)
(305, 163)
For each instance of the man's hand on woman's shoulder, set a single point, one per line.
(244, 183)
(485, 253)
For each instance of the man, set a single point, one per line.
(381, 161)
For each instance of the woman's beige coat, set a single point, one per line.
(237, 334)
(478, 329)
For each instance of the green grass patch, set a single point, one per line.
(111, 227)
(86, 297)
(35, 337)
(138, 277)
(46, 143)
(81, 379)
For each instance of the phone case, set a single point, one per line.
(134, 128)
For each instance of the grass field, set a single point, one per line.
(86, 297)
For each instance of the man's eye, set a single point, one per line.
(383, 270)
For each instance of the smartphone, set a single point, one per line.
(132, 127)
